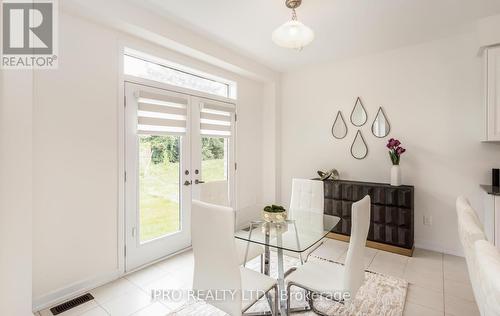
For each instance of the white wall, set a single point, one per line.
(76, 154)
(432, 95)
(488, 31)
(76, 141)
(16, 87)
(149, 24)
(271, 144)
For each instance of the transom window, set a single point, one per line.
(152, 68)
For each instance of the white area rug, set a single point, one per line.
(380, 295)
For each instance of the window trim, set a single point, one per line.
(231, 85)
(152, 50)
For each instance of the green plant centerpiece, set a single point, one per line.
(274, 213)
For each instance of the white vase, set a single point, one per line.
(396, 175)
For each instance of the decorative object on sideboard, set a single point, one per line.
(359, 150)
(339, 127)
(332, 174)
(274, 214)
(495, 175)
(381, 126)
(358, 114)
(395, 152)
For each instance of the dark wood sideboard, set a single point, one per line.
(392, 213)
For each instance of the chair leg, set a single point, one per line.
(312, 250)
(289, 271)
(272, 305)
(288, 294)
(311, 303)
(262, 264)
(276, 301)
(288, 301)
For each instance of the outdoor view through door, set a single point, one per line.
(159, 181)
(179, 146)
(214, 156)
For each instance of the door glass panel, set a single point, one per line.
(214, 170)
(159, 186)
(214, 159)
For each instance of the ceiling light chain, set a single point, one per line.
(293, 4)
(294, 15)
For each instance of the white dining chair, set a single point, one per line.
(242, 219)
(216, 263)
(469, 232)
(307, 196)
(254, 251)
(335, 280)
(488, 266)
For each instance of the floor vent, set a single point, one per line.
(71, 304)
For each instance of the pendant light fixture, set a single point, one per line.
(293, 34)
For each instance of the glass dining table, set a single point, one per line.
(297, 234)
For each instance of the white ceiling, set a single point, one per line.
(344, 28)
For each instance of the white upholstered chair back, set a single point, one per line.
(354, 264)
(488, 265)
(307, 195)
(470, 231)
(463, 204)
(469, 227)
(216, 266)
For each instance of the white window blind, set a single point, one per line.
(216, 119)
(161, 114)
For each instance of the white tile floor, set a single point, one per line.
(439, 284)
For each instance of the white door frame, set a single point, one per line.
(125, 79)
(137, 253)
(197, 104)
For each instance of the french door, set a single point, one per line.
(178, 147)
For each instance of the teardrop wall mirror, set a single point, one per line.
(339, 127)
(381, 127)
(359, 149)
(358, 114)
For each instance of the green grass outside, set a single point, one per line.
(159, 195)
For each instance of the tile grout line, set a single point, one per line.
(369, 264)
(444, 294)
(420, 304)
(137, 287)
(373, 259)
(102, 307)
(344, 252)
(137, 311)
(425, 306)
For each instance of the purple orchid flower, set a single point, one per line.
(395, 150)
(390, 144)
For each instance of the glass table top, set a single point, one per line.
(297, 234)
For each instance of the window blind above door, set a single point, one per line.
(161, 114)
(216, 119)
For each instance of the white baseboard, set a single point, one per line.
(81, 287)
(438, 248)
(73, 290)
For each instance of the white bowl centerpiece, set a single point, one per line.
(274, 214)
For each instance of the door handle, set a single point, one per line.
(188, 182)
(198, 181)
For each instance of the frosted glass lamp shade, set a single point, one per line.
(293, 34)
